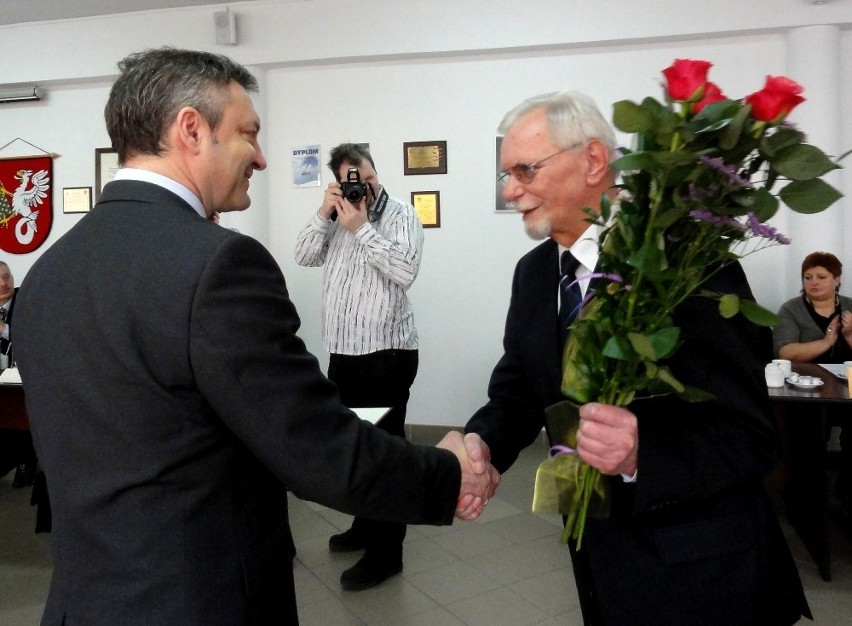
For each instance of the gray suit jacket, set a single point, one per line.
(171, 401)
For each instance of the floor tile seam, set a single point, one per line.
(404, 614)
(361, 621)
(458, 561)
(549, 569)
(484, 593)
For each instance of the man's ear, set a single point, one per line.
(597, 162)
(189, 129)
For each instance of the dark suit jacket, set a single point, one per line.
(171, 401)
(694, 540)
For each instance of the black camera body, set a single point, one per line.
(353, 189)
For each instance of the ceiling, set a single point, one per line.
(19, 11)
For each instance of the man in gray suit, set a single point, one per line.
(170, 397)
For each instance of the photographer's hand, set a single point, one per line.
(331, 200)
(351, 216)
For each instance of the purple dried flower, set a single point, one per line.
(699, 194)
(765, 230)
(718, 164)
(719, 221)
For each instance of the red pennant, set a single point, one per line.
(26, 203)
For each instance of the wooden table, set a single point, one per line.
(802, 427)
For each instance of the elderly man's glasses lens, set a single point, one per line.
(525, 172)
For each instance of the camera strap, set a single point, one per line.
(375, 214)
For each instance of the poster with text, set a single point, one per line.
(306, 166)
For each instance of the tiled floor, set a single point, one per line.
(506, 568)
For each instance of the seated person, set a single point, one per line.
(816, 327)
(16, 446)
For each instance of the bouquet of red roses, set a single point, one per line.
(704, 176)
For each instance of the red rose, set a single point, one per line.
(773, 103)
(712, 93)
(686, 79)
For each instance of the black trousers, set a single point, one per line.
(381, 378)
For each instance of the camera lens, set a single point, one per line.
(354, 194)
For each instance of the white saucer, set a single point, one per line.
(799, 385)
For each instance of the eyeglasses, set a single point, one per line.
(525, 172)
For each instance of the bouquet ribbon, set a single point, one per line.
(556, 485)
(561, 479)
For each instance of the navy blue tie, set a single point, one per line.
(569, 294)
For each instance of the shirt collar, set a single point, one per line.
(147, 176)
(585, 249)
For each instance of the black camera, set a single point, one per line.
(353, 189)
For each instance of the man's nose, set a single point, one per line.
(512, 189)
(259, 160)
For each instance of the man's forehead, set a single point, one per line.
(240, 104)
(529, 134)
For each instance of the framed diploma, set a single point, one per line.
(424, 157)
(427, 205)
(106, 165)
(76, 199)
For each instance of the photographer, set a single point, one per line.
(371, 246)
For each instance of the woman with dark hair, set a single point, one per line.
(816, 327)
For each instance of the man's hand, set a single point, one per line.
(479, 479)
(332, 196)
(350, 216)
(608, 438)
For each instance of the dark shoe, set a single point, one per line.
(24, 475)
(350, 541)
(368, 572)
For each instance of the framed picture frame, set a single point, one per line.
(424, 157)
(106, 165)
(427, 205)
(76, 199)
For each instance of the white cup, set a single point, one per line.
(785, 366)
(774, 375)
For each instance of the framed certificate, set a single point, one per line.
(76, 199)
(427, 205)
(106, 165)
(424, 157)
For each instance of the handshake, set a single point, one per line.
(479, 479)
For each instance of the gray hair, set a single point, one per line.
(155, 84)
(572, 117)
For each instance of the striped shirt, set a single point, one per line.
(366, 277)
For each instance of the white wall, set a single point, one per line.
(389, 71)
